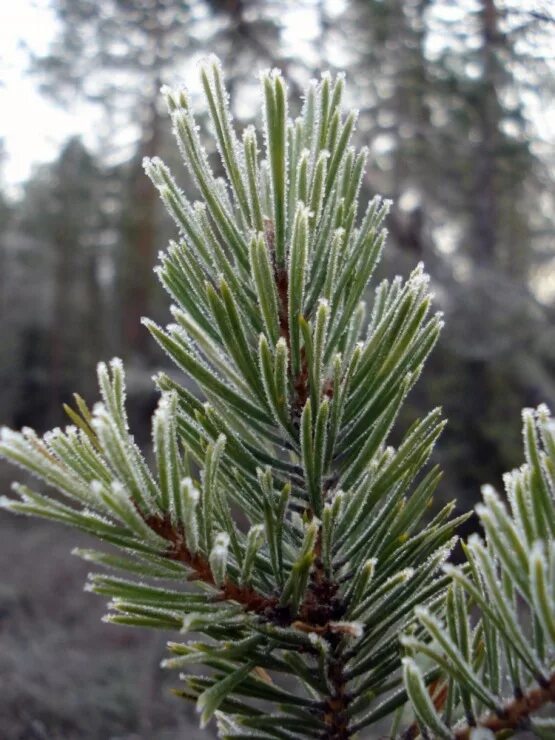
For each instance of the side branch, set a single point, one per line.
(316, 614)
(515, 712)
(247, 597)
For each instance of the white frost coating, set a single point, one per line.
(527, 414)
(190, 497)
(422, 612)
(190, 491)
(97, 487)
(54, 434)
(31, 435)
(543, 414)
(489, 492)
(318, 642)
(8, 436)
(481, 733)
(99, 409)
(218, 557)
(353, 629)
(116, 363)
(221, 541)
(474, 541)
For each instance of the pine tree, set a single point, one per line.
(319, 581)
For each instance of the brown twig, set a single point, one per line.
(178, 550)
(281, 279)
(335, 713)
(317, 613)
(515, 712)
(321, 606)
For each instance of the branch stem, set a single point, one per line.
(515, 712)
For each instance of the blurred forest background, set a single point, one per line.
(457, 105)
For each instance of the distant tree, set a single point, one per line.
(249, 35)
(441, 89)
(4, 203)
(491, 180)
(7, 331)
(63, 213)
(118, 53)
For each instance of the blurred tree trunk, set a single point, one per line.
(63, 213)
(61, 316)
(489, 113)
(141, 236)
(94, 322)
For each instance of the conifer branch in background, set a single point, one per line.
(297, 539)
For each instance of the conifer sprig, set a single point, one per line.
(274, 489)
(494, 638)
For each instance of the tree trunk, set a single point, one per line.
(141, 238)
(485, 202)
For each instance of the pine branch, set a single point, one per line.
(300, 602)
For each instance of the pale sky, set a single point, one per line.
(31, 126)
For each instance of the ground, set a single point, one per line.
(64, 674)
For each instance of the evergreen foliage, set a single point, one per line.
(498, 615)
(304, 532)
